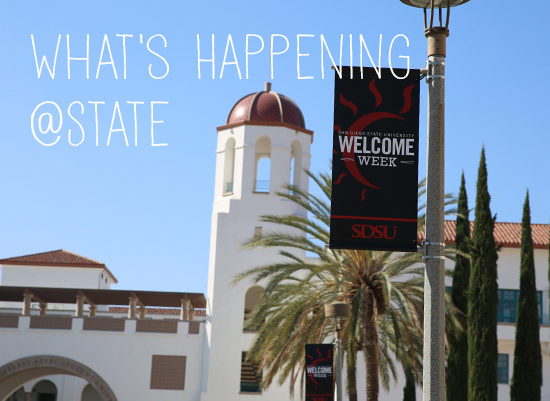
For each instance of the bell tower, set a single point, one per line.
(263, 146)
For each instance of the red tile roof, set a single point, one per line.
(506, 234)
(60, 257)
(155, 311)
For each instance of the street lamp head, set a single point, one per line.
(436, 3)
(436, 34)
(337, 309)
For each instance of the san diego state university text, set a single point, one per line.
(375, 161)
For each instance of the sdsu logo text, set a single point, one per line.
(368, 231)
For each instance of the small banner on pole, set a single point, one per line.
(319, 372)
(375, 160)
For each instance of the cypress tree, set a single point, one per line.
(457, 360)
(409, 391)
(483, 302)
(526, 378)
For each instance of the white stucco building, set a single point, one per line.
(66, 335)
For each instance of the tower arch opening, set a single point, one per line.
(229, 166)
(252, 300)
(296, 164)
(262, 164)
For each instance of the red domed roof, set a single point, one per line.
(266, 106)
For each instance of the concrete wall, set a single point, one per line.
(122, 359)
(57, 277)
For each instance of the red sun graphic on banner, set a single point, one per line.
(375, 161)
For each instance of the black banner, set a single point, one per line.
(375, 161)
(319, 372)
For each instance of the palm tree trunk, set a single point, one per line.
(351, 369)
(370, 346)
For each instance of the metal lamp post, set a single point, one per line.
(434, 243)
(337, 310)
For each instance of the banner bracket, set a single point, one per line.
(434, 243)
(424, 248)
(427, 69)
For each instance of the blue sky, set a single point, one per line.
(146, 211)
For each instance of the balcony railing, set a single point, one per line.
(261, 186)
(229, 187)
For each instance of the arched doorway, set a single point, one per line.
(45, 390)
(90, 394)
(16, 373)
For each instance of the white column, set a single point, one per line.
(27, 299)
(132, 308)
(184, 315)
(79, 306)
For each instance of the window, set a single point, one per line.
(257, 232)
(502, 369)
(168, 372)
(251, 376)
(507, 305)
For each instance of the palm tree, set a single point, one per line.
(385, 290)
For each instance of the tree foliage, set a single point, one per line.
(526, 378)
(385, 290)
(483, 302)
(457, 360)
